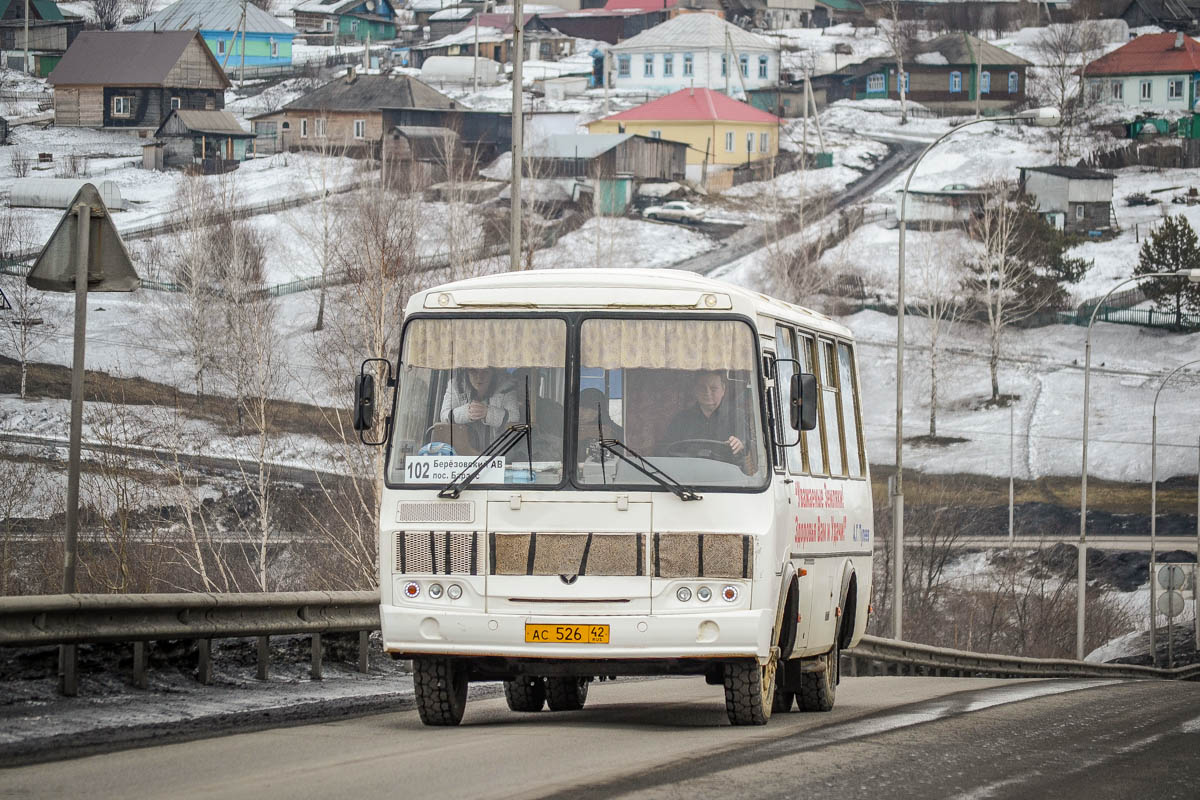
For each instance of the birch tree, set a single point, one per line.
(1063, 52)
(30, 321)
(937, 286)
(900, 36)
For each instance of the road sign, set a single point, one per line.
(1172, 576)
(1170, 604)
(109, 268)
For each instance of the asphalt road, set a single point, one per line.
(887, 738)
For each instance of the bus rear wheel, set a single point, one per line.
(818, 690)
(440, 686)
(750, 691)
(566, 694)
(525, 693)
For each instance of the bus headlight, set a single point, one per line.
(454, 591)
(435, 591)
(704, 594)
(683, 594)
(729, 594)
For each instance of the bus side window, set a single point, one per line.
(774, 418)
(785, 343)
(831, 410)
(814, 440)
(851, 412)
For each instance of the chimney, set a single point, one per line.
(1179, 40)
(351, 74)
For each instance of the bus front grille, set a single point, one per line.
(435, 512)
(611, 554)
(702, 555)
(439, 552)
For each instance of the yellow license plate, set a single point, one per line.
(566, 634)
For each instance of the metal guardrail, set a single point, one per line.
(873, 650)
(75, 619)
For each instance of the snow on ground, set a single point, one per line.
(608, 242)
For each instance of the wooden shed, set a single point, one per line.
(131, 80)
(210, 140)
(606, 156)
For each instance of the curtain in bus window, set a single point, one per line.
(668, 344)
(849, 410)
(831, 412)
(785, 342)
(493, 342)
(814, 446)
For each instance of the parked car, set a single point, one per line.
(675, 211)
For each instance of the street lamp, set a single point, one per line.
(1081, 576)
(1154, 506)
(1042, 117)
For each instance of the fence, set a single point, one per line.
(71, 620)
(1146, 317)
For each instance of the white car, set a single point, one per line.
(675, 211)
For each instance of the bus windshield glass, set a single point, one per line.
(463, 382)
(683, 393)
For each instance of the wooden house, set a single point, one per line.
(50, 33)
(1073, 199)
(347, 20)
(346, 113)
(495, 38)
(131, 80)
(607, 156)
(212, 141)
(947, 74)
(609, 25)
(268, 42)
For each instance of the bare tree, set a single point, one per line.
(937, 286)
(108, 13)
(31, 321)
(901, 37)
(140, 9)
(17, 483)
(1063, 51)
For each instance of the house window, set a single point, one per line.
(321, 127)
(728, 141)
(744, 65)
(985, 82)
(327, 25)
(724, 64)
(176, 103)
(956, 81)
(1147, 91)
(764, 142)
(304, 129)
(688, 68)
(655, 133)
(749, 144)
(762, 66)
(210, 103)
(354, 26)
(121, 106)
(220, 47)
(622, 66)
(648, 65)
(668, 65)
(906, 83)
(1175, 89)
(1014, 82)
(1079, 211)
(360, 129)
(274, 48)
(1117, 90)
(875, 82)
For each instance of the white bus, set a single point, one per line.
(595, 473)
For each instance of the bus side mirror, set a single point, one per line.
(802, 405)
(364, 402)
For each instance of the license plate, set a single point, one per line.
(567, 634)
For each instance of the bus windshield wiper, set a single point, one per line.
(638, 462)
(499, 446)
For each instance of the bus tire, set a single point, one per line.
(818, 690)
(750, 691)
(525, 693)
(566, 694)
(440, 686)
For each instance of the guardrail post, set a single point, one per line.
(68, 670)
(139, 665)
(316, 657)
(264, 657)
(204, 666)
(364, 640)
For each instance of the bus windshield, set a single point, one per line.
(683, 393)
(463, 383)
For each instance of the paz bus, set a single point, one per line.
(599, 473)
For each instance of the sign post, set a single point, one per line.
(84, 254)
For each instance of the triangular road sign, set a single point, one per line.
(108, 266)
(4, 304)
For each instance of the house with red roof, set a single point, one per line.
(717, 129)
(1156, 71)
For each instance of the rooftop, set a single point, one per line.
(370, 93)
(210, 15)
(126, 58)
(696, 104)
(1148, 54)
(695, 30)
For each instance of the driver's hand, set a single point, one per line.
(477, 411)
(735, 444)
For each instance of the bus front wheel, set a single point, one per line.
(750, 691)
(818, 690)
(440, 686)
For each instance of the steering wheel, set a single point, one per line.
(701, 448)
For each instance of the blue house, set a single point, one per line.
(268, 41)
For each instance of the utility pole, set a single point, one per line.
(1010, 474)
(518, 124)
(242, 76)
(28, 68)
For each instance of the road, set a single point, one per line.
(888, 737)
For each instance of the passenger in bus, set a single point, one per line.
(708, 419)
(484, 400)
(593, 417)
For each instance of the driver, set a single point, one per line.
(709, 418)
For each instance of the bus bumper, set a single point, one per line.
(730, 634)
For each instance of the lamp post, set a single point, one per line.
(1154, 505)
(1081, 574)
(1043, 117)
